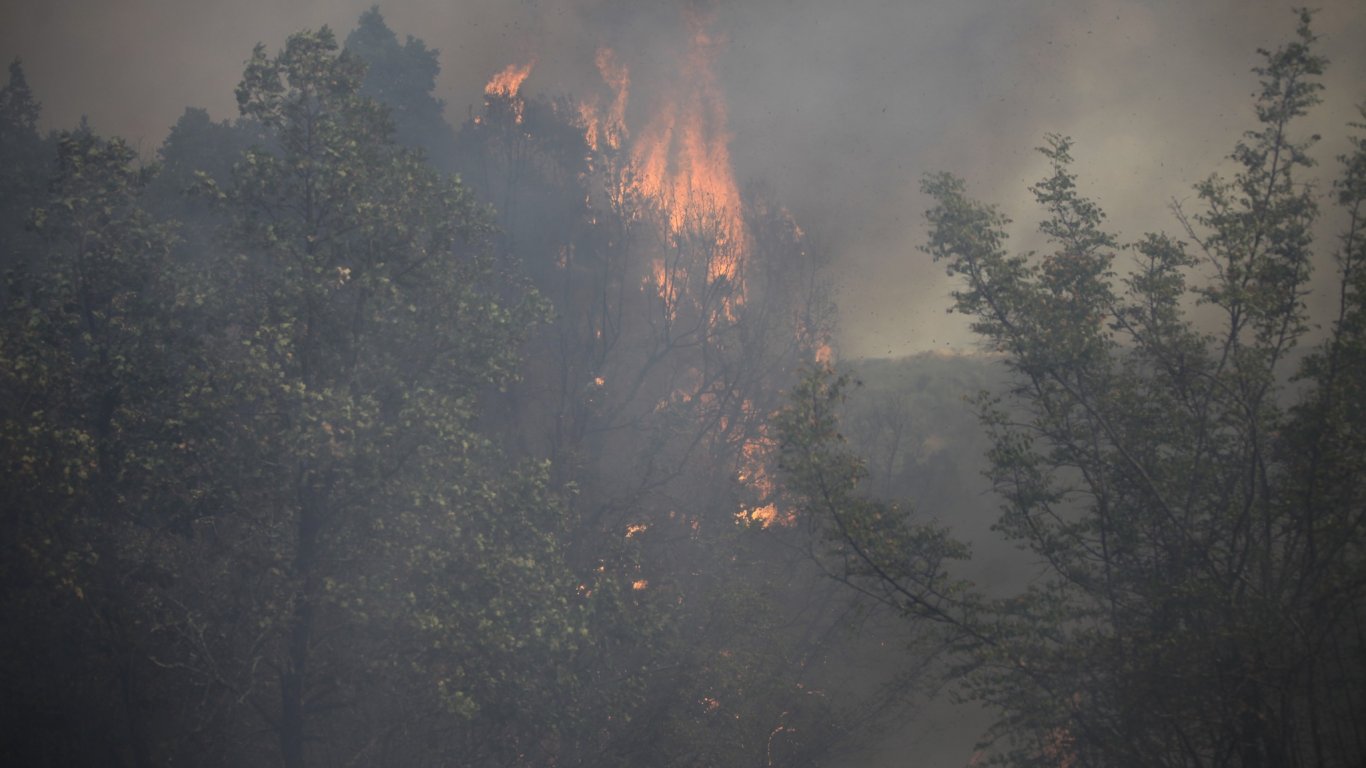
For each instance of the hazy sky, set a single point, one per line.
(841, 107)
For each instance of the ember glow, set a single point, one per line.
(755, 456)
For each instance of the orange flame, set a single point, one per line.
(616, 76)
(682, 158)
(607, 130)
(588, 113)
(755, 453)
(508, 83)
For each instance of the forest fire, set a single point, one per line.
(679, 164)
(508, 82)
(507, 85)
(525, 441)
(607, 130)
(753, 474)
(682, 158)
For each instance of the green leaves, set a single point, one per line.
(252, 474)
(872, 545)
(1146, 461)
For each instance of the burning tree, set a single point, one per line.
(682, 308)
(320, 477)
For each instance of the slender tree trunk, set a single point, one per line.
(134, 713)
(293, 681)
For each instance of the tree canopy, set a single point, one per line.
(1191, 494)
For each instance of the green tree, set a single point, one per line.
(25, 162)
(1200, 543)
(366, 318)
(402, 77)
(89, 334)
(196, 144)
(248, 502)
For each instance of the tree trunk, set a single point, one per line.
(294, 678)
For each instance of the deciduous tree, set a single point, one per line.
(1199, 542)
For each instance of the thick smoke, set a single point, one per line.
(840, 108)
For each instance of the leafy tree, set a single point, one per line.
(25, 160)
(366, 319)
(196, 144)
(90, 333)
(1190, 609)
(247, 488)
(402, 77)
(19, 110)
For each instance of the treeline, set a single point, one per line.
(340, 435)
(312, 457)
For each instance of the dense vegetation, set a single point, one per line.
(1191, 494)
(313, 458)
(342, 436)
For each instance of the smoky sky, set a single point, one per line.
(839, 107)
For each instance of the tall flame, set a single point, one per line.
(682, 158)
(616, 76)
(680, 162)
(508, 83)
(607, 130)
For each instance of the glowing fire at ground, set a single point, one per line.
(753, 474)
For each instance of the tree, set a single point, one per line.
(90, 332)
(247, 486)
(648, 393)
(25, 160)
(369, 317)
(1190, 608)
(402, 77)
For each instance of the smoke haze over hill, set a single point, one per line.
(840, 110)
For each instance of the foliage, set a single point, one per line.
(650, 404)
(401, 77)
(25, 157)
(91, 331)
(300, 469)
(1199, 542)
(254, 479)
(875, 546)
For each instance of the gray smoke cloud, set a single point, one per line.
(839, 107)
